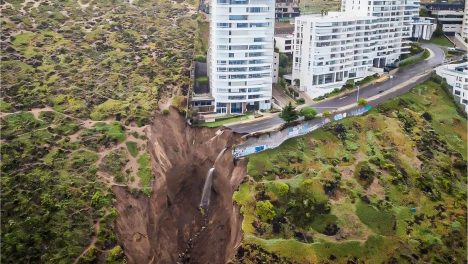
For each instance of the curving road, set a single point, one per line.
(402, 82)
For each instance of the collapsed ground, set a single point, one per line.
(386, 187)
(80, 83)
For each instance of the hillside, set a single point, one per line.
(316, 6)
(80, 83)
(387, 187)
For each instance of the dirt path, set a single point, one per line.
(92, 244)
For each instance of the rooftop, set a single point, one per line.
(284, 36)
(333, 17)
(461, 67)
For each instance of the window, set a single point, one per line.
(237, 17)
(231, 55)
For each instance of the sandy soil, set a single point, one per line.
(157, 229)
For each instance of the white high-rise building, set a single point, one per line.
(332, 49)
(392, 24)
(240, 60)
(361, 40)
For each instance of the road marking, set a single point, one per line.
(341, 98)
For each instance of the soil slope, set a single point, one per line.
(157, 229)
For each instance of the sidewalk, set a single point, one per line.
(382, 78)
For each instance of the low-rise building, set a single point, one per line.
(286, 9)
(284, 43)
(423, 28)
(456, 76)
(449, 15)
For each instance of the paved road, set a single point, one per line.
(400, 78)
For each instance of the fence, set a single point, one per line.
(270, 140)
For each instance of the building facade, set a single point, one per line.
(240, 58)
(331, 49)
(423, 28)
(392, 23)
(361, 40)
(449, 15)
(284, 43)
(287, 9)
(464, 31)
(456, 76)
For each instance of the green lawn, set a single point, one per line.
(144, 172)
(441, 41)
(226, 120)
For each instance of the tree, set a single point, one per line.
(264, 210)
(308, 112)
(297, 82)
(289, 113)
(362, 101)
(438, 32)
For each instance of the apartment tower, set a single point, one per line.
(240, 58)
(366, 36)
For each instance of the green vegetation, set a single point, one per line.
(387, 187)
(362, 101)
(64, 65)
(416, 59)
(308, 112)
(349, 86)
(441, 41)
(132, 148)
(289, 113)
(202, 80)
(145, 174)
(226, 120)
(317, 6)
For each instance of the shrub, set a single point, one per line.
(300, 101)
(427, 116)
(200, 58)
(179, 102)
(264, 210)
(165, 112)
(106, 109)
(362, 101)
(364, 173)
(202, 80)
(327, 114)
(308, 112)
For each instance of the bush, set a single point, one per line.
(300, 101)
(179, 102)
(165, 112)
(202, 80)
(308, 113)
(200, 58)
(327, 114)
(362, 101)
(264, 210)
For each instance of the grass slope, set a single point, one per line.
(388, 186)
(66, 64)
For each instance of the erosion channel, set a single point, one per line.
(170, 226)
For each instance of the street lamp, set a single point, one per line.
(357, 97)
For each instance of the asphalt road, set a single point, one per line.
(402, 76)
